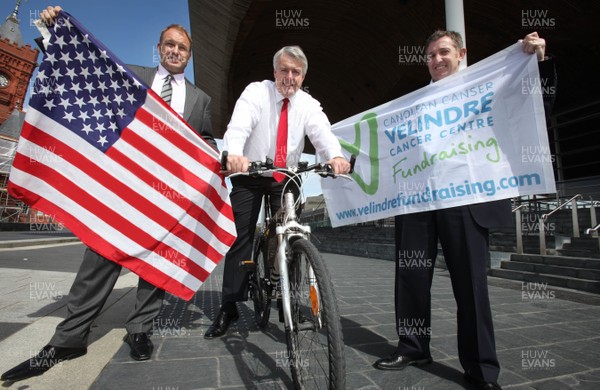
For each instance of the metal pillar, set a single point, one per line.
(455, 21)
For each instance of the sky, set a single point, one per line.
(129, 28)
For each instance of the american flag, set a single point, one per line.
(106, 156)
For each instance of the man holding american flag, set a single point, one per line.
(108, 153)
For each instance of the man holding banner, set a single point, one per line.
(141, 214)
(463, 233)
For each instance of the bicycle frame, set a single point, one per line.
(306, 299)
(285, 230)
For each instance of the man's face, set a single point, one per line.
(288, 76)
(443, 58)
(174, 49)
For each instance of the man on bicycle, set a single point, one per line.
(270, 119)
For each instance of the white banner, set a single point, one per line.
(476, 136)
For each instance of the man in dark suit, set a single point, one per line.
(97, 275)
(463, 234)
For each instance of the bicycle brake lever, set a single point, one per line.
(224, 160)
(352, 162)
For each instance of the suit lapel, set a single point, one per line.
(191, 97)
(191, 93)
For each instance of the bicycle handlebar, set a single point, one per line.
(259, 168)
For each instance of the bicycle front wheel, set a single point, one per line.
(315, 345)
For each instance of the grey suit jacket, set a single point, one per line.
(196, 111)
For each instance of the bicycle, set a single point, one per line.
(284, 261)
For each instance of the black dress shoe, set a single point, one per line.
(480, 384)
(399, 362)
(140, 344)
(221, 323)
(42, 362)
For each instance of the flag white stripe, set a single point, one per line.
(174, 182)
(175, 123)
(112, 200)
(118, 240)
(69, 138)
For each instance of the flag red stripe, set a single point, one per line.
(180, 172)
(176, 138)
(193, 209)
(144, 206)
(103, 212)
(87, 235)
(169, 163)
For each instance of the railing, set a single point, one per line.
(573, 202)
(594, 231)
(519, 229)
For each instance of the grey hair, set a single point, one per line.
(292, 51)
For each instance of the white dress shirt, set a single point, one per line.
(252, 130)
(178, 84)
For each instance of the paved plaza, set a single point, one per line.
(547, 338)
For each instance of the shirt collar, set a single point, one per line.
(279, 97)
(162, 73)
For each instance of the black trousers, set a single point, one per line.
(91, 288)
(246, 199)
(465, 245)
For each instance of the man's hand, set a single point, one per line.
(236, 164)
(339, 165)
(532, 43)
(50, 14)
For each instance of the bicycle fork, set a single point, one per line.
(286, 290)
(284, 282)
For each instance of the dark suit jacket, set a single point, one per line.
(497, 214)
(196, 111)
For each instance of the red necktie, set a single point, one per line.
(281, 145)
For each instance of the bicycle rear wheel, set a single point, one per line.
(259, 281)
(315, 346)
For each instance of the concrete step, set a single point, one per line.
(365, 249)
(577, 252)
(561, 261)
(579, 273)
(592, 286)
(36, 242)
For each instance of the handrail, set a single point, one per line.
(519, 228)
(590, 231)
(518, 208)
(594, 232)
(545, 216)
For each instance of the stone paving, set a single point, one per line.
(547, 338)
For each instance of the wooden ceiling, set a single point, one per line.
(353, 46)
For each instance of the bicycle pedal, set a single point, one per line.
(248, 265)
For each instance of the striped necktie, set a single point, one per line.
(167, 89)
